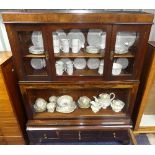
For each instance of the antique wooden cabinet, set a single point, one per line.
(12, 120)
(101, 52)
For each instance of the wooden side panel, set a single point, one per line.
(146, 85)
(10, 132)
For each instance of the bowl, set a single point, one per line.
(117, 105)
(92, 49)
(64, 100)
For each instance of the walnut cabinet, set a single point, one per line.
(118, 37)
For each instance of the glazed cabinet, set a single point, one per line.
(36, 51)
(83, 70)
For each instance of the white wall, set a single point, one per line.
(152, 34)
(4, 42)
(5, 46)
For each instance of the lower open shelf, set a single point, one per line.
(79, 113)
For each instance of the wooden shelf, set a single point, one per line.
(126, 55)
(84, 72)
(79, 113)
(81, 54)
(34, 56)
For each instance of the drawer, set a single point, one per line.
(37, 136)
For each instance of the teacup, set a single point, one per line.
(84, 102)
(117, 105)
(51, 106)
(40, 105)
(69, 67)
(75, 44)
(56, 46)
(64, 45)
(59, 65)
(116, 69)
(101, 68)
(53, 99)
(95, 109)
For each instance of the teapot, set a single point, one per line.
(105, 99)
(107, 96)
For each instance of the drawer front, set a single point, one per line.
(51, 136)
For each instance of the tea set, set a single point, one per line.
(66, 104)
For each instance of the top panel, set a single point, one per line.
(76, 16)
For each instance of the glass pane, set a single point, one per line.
(31, 42)
(126, 42)
(32, 52)
(35, 66)
(79, 52)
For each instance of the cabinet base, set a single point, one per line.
(37, 136)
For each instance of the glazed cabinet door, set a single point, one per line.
(127, 51)
(63, 101)
(79, 51)
(29, 47)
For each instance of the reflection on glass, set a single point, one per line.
(76, 40)
(31, 42)
(124, 40)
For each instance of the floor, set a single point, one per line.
(151, 138)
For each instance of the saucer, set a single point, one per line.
(36, 50)
(79, 63)
(93, 63)
(38, 63)
(123, 61)
(92, 49)
(66, 109)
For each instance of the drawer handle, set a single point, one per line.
(114, 135)
(79, 135)
(42, 138)
(45, 136)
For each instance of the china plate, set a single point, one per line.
(93, 63)
(124, 40)
(76, 34)
(123, 61)
(38, 63)
(96, 38)
(37, 39)
(80, 63)
(36, 50)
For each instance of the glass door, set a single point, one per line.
(79, 50)
(127, 51)
(32, 59)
